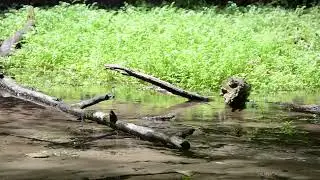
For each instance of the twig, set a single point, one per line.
(95, 100)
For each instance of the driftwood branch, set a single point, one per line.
(110, 120)
(155, 81)
(9, 44)
(95, 100)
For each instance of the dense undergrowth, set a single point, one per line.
(273, 48)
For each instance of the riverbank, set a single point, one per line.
(273, 48)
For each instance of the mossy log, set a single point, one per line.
(157, 82)
(11, 87)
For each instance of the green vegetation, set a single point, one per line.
(275, 49)
(288, 128)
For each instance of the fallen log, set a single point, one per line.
(9, 44)
(110, 120)
(307, 108)
(155, 81)
(90, 102)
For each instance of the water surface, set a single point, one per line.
(260, 142)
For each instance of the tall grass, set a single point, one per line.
(273, 48)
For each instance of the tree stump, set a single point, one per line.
(235, 92)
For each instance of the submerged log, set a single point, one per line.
(157, 89)
(185, 133)
(110, 120)
(235, 92)
(157, 82)
(307, 108)
(9, 44)
(167, 117)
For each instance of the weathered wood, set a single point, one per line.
(146, 133)
(307, 108)
(155, 81)
(90, 102)
(235, 92)
(9, 44)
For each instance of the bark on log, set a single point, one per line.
(155, 81)
(235, 92)
(14, 89)
(95, 100)
(9, 44)
(308, 108)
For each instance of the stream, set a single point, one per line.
(260, 142)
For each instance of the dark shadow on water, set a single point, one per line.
(81, 142)
(276, 137)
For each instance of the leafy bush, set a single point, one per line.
(178, 3)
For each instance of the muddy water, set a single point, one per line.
(261, 142)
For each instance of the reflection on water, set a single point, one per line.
(286, 141)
